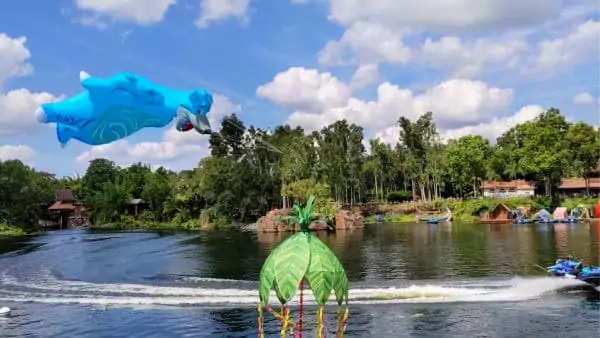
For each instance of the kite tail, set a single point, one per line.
(321, 322)
(261, 333)
(285, 321)
(299, 334)
(342, 319)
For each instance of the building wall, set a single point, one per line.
(506, 194)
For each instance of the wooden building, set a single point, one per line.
(514, 188)
(501, 214)
(66, 212)
(577, 186)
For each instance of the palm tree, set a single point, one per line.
(303, 257)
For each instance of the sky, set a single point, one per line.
(480, 66)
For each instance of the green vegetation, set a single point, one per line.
(250, 171)
(466, 210)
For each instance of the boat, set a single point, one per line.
(560, 214)
(447, 217)
(518, 217)
(544, 217)
(570, 268)
(4, 311)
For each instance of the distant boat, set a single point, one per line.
(447, 217)
(544, 217)
(4, 311)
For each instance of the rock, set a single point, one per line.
(271, 222)
(346, 220)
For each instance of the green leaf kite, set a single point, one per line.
(303, 257)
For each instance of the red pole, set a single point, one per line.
(301, 308)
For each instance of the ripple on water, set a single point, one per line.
(406, 282)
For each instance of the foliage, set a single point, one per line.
(399, 196)
(251, 171)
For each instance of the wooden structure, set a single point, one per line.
(525, 210)
(136, 205)
(66, 212)
(501, 214)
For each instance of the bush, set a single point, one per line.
(399, 196)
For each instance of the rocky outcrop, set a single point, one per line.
(347, 220)
(272, 221)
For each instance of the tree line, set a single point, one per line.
(251, 170)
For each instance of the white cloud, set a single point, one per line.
(581, 44)
(19, 152)
(491, 129)
(125, 153)
(468, 60)
(365, 75)
(14, 55)
(220, 10)
(366, 42)
(318, 99)
(142, 12)
(17, 107)
(304, 89)
(583, 99)
(17, 110)
(174, 146)
(391, 31)
(497, 126)
(449, 14)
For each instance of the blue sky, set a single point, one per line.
(500, 72)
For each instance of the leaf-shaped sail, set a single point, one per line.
(291, 260)
(340, 285)
(322, 270)
(267, 277)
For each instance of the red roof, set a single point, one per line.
(58, 205)
(579, 183)
(514, 184)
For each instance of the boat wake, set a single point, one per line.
(218, 293)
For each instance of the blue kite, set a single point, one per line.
(116, 107)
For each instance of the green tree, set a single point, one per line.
(467, 158)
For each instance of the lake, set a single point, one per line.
(407, 280)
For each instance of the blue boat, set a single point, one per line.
(574, 216)
(518, 218)
(570, 268)
(544, 217)
(570, 219)
(447, 217)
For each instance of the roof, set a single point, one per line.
(59, 205)
(514, 184)
(135, 201)
(503, 206)
(579, 183)
(65, 195)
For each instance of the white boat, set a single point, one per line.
(4, 311)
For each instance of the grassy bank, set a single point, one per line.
(467, 211)
(128, 222)
(12, 231)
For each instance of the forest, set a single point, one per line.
(251, 170)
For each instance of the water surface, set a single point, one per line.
(406, 281)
